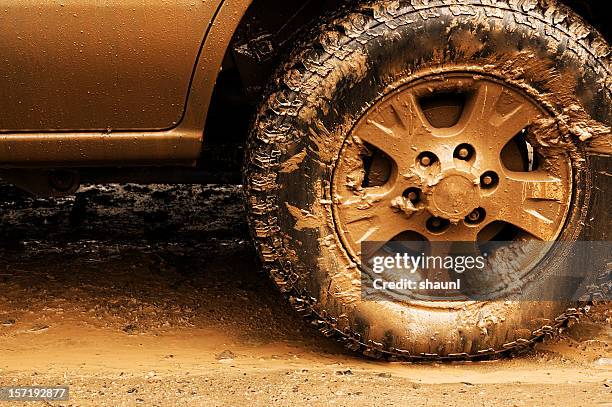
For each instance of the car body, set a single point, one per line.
(106, 81)
(109, 83)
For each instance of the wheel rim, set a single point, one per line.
(441, 159)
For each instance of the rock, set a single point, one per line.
(226, 356)
(38, 328)
(8, 322)
(603, 362)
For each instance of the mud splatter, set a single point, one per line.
(293, 163)
(303, 218)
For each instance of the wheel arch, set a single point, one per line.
(254, 41)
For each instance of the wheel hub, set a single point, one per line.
(453, 198)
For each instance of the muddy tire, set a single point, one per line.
(536, 48)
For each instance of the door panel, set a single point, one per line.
(98, 64)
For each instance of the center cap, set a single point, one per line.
(454, 197)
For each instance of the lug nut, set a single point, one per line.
(464, 152)
(437, 225)
(476, 216)
(412, 194)
(488, 180)
(426, 158)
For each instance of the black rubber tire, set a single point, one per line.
(345, 67)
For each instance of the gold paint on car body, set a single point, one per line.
(86, 72)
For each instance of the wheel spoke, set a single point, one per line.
(456, 233)
(374, 218)
(532, 201)
(531, 221)
(396, 129)
(497, 114)
(535, 186)
(479, 109)
(507, 126)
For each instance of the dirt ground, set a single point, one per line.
(153, 296)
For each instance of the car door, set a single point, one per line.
(98, 64)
